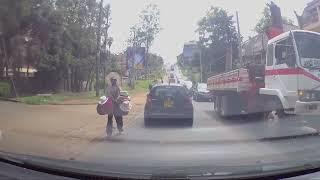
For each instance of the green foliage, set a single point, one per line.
(148, 27)
(217, 33)
(57, 98)
(140, 87)
(62, 37)
(38, 100)
(265, 21)
(5, 89)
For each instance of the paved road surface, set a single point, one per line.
(211, 139)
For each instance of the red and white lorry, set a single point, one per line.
(289, 81)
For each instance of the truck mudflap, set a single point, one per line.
(307, 108)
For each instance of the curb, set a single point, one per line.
(56, 104)
(10, 100)
(71, 104)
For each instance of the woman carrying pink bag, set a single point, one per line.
(113, 93)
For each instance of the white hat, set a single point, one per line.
(103, 99)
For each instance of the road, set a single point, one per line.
(226, 142)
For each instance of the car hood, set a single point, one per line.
(77, 169)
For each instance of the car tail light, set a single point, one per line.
(188, 100)
(149, 98)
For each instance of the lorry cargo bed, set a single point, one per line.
(235, 80)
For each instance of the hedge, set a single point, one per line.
(5, 89)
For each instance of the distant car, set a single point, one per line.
(172, 80)
(201, 93)
(168, 102)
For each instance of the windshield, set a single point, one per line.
(308, 47)
(160, 89)
(202, 86)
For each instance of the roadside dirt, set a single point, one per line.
(57, 131)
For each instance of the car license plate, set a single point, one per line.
(168, 104)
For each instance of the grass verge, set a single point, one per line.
(56, 98)
(140, 87)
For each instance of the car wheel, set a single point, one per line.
(189, 122)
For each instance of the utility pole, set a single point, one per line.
(239, 39)
(105, 47)
(147, 57)
(201, 71)
(201, 35)
(228, 65)
(98, 50)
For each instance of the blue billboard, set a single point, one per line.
(136, 57)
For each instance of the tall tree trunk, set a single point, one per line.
(68, 78)
(89, 77)
(28, 66)
(90, 83)
(5, 56)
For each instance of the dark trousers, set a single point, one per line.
(119, 121)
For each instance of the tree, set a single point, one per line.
(146, 30)
(265, 21)
(57, 37)
(148, 27)
(217, 33)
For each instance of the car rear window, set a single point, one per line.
(162, 91)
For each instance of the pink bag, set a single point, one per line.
(105, 106)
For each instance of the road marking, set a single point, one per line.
(0, 135)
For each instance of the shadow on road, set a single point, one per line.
(249, 119)
(168, 123)
(234, 120)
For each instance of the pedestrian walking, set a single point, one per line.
(113, 92)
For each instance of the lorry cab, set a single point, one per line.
(292, 71)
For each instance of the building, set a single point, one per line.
(254, 49)
(310, 18)
(24, 72)
(189, 49)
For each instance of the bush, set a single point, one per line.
(5, 89)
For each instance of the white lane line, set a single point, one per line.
(0, 135)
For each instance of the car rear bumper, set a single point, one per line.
(168, 116)
(307, 108)
(204, 97)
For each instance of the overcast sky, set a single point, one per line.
(179, 18)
